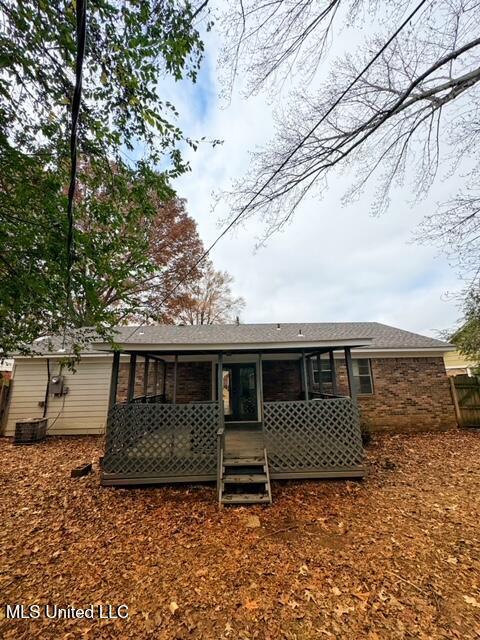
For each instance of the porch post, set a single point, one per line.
(311, 377)
(333, 371)
(155, 378)
(319, 372)
(305, 376)
(260, 385)
(164, 383)
(175, 371)
(131, 376)
(213, 382)
(145, 378)
(114, 380)
(220, 389)
(351, 385)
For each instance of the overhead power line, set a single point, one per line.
(287, 159)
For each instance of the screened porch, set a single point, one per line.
(174, 414)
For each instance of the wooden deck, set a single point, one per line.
(159, 443)
(244, 440)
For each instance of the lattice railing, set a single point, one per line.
(160, 440)
(317, 435)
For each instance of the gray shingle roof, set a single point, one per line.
(382, 336)
(53, 344)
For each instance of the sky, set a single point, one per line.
(333, 262)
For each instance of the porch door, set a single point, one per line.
(240, 392)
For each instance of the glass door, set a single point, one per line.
(240, 392)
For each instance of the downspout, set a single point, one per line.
(45, 402)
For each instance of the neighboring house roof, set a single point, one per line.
(369, 334)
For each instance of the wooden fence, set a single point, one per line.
(466, 398)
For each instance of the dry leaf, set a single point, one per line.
(342, 610)
(309, 596)
(179, 544)
(395, 603)
(471, 600)
(361, 596)
(253, 522)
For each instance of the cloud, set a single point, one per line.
(332, 263)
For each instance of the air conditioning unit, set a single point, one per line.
(30, 431)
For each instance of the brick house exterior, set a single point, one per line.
(410, 394)
(409, 385)
(291, 399)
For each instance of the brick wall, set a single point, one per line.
(281, 380)
(122, 386)
(194, 382)
(409, 394)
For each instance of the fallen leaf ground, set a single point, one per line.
(394, 556)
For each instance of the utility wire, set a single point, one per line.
(81, 33)
(288, 158)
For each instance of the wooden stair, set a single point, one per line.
(244, 477)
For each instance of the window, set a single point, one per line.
(362, 376)
(326, 372)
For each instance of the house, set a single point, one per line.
(6, 366)
(241, 404)
(81, 409)
(456, 364)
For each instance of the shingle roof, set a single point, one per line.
(376, 335)
(54, 344)
(372, 335)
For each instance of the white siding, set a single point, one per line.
(82, 411)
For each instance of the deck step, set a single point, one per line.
(251, 427)
(243, 462)
(245, 498)
(245, 478)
